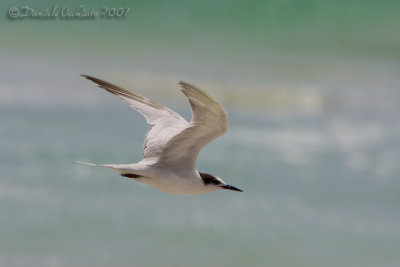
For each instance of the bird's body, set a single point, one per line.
(172, 144)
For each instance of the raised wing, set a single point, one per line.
(209, 120)
(165, 123)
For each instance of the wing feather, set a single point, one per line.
(165, 123)
(209, 120)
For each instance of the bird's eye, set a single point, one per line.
(215, 181)
(210, 179)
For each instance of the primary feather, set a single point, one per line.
(171, 140)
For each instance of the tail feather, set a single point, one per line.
(121, 168)
(97, 165)
(87, 163)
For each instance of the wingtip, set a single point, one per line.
(189, 88)
(88, 77)
(183, 83)
(186, 86)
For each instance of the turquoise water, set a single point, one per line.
(320, 190)
(312, 92)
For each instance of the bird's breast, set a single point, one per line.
(172, 183)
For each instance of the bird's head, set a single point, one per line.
(216, 182)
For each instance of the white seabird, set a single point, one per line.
(172, 144)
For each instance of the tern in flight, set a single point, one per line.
(172, 144)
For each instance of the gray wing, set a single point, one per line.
(209, 120)
(165, 123)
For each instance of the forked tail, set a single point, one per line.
(136, 169)
(91, 164)
(110, 166)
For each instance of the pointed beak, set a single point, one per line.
(231, 188)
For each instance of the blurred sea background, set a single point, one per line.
(312, 92)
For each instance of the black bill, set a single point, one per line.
(231, 188)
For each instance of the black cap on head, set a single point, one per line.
(209, 179)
